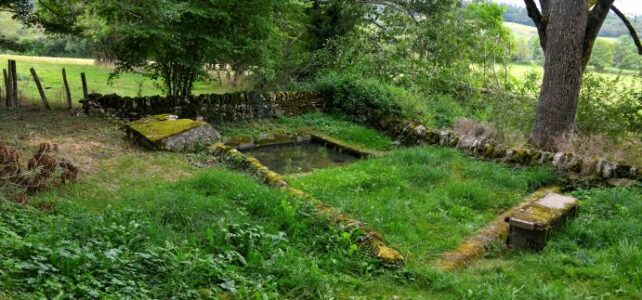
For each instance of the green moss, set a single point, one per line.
(158, 127)
(541, 215)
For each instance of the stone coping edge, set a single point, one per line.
(496, 231)
(372, 240)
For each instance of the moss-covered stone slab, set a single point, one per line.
(167, 132)
(531, 226)
(354, 150)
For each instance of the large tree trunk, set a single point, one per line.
(562, 73)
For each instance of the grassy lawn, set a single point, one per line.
(142, 225)
(50, 72)
(425, 200)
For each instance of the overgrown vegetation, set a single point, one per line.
(145, 225)
(151, 225)
(216, 234)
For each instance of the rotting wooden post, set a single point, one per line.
(85, 94)
(7, 85)
(7, 90)
(45, 103)
(67, 91)
(14, 83)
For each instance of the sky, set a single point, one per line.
(633, 7)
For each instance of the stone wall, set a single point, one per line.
(213, 107)
(572, 166)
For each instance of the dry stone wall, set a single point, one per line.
(573, 166)
(213, 107)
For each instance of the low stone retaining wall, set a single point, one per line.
(411, 133)
(214, 108)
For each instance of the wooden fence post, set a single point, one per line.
(45, 103)
(67, 91)
(8, 85)
(7, 88)
(84, 86)
(14, 83)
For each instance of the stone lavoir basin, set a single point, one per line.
(301, 157)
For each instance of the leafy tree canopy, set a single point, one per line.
(174, 40)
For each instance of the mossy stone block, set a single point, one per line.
(531, 226)
(167, 132)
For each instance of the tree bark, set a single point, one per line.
(563, 70)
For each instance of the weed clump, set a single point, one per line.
(41, 172)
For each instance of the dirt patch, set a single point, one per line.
(95, 145)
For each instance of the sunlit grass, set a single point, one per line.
(50, 72)
(424, 200)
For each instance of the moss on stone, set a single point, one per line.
(355, 150)
(159, 127)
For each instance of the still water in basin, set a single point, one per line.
(300, 158)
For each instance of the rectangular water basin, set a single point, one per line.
(301, 157)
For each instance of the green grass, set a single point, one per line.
(332, 125)
(143, 225)
(529, 32)
(50, 72)
(519, 71)
(214, 234)
(424, 194)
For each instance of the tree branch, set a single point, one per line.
(595, 21)
(545, 5)
(540, 22)
(630, 27)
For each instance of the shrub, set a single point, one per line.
(444, 110)
(609, 106)
(365, 100)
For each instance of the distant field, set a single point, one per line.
(528, 32)
(519, 71)
(49, 70)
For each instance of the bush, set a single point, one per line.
(444, 110)
(367, 99)
(609, 106)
